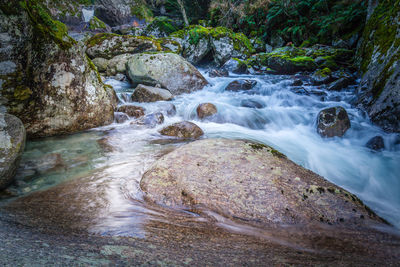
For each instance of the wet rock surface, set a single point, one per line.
(120, 117)
(169, 70)
(206, 110)
(132, 111)
(145, 93)
(241, 85)
(218, 73)
(185, 129)
(150, 120)
(12, 143)
(333, 122)
(376, 143)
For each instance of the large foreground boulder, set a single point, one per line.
(169, 70)
(250, 182)
(46, 77)
(12, 143)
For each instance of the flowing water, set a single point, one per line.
(98, 172)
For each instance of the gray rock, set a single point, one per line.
(241, 85)
(376, 143)
(100, 63)
(218, 73)
(185, 129)
(379, 90)
(120, 117)
(341, 83)
(252, 183)
(169, 70)
(236, 66)
(150, 120)
(12, 143)
(108, 45)
(145, 93)
(167, 109)
(115, 12)
(333, 122)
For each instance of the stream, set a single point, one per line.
(90, 180)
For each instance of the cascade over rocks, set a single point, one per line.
(47, 79)
(12, 143)
(250, 182)
(169, 70)
(185, 129)
(333, 122)
(378, 56)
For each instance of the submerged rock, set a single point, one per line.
(250, 182)
(376, 143)
(185, 129)
(167, 109)
(145, 93)
(333, 122)
(241, 85)
(249, 103)
(218, 73)
(132, 111)
(120, 117)
(150, 120)
(12, 143)
(169, 70)
(206, 110)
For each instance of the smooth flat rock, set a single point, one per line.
(250, 182)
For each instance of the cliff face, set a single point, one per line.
(379, 60)
(46, 79)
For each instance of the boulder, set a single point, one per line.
(297, 82)
(101, 64)
(218, 73)
(206, 110)
(12, 143)
(236, 66)
(150, 120)
(333, 122)
(117, 65)
(169, 70)
(131, 111)
(115, 12)
(145, 93)
(185, 129)
(241, 85)
(252, 183)
(52, 87)
(120, 117)
(322, 76)
(96, 25)
(109, 45)
(376, 143)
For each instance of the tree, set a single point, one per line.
(183, 11)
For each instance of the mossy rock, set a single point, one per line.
(95, 24)
(160, 27)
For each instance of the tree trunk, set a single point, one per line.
(183, 11)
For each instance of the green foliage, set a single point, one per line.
(96, 24)
(45, 26)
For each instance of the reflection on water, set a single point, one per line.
(92, 178)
